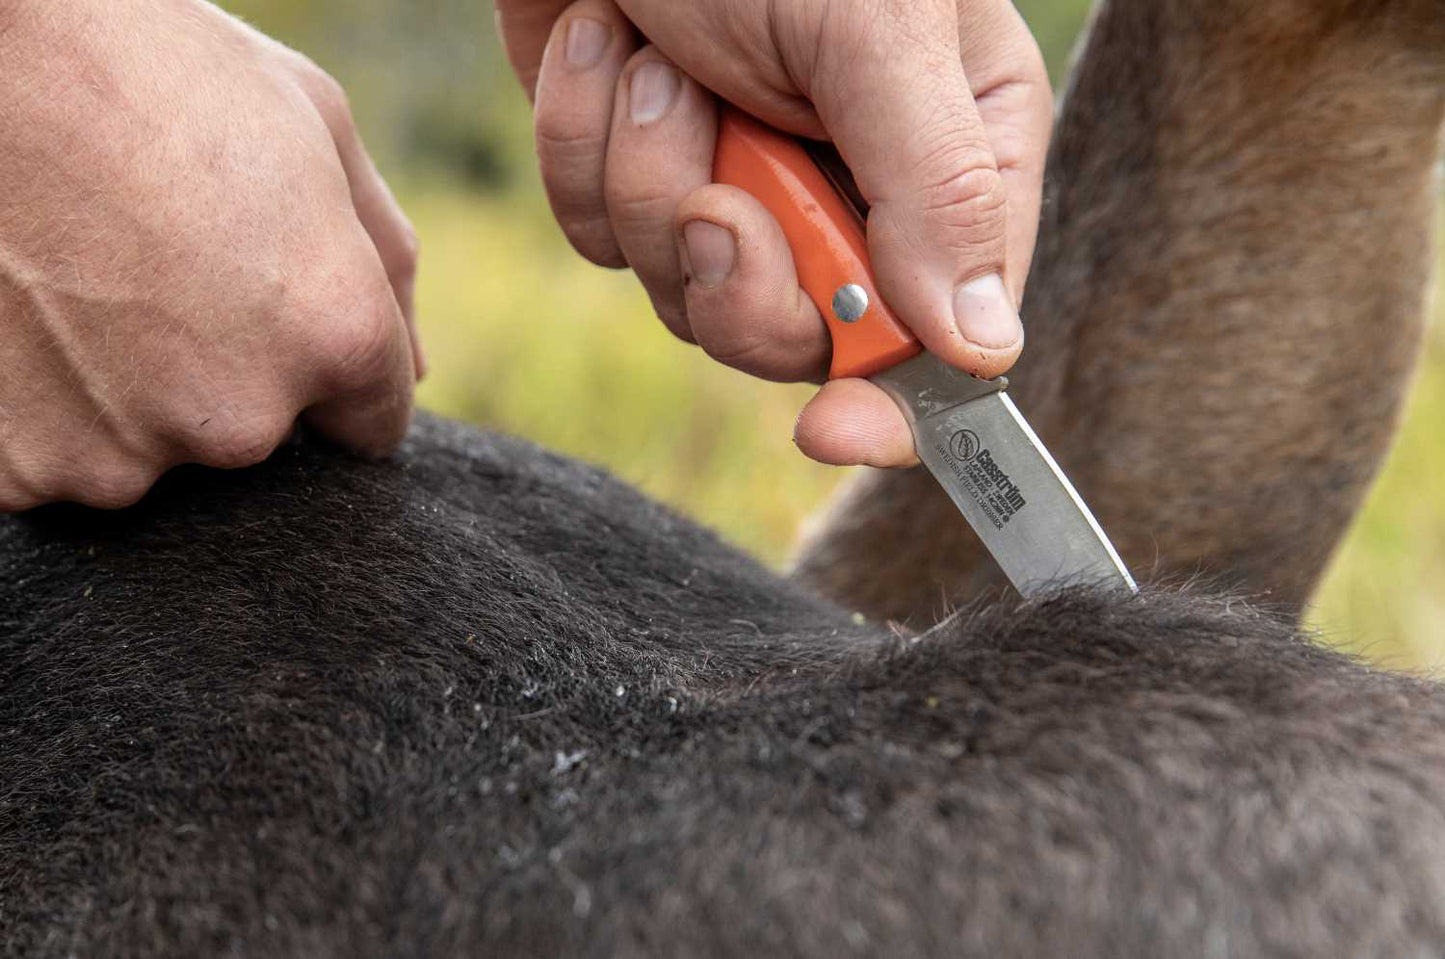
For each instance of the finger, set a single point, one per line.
(576, 92)
(854, 423)
(15, 495)
(363, 375)
(664, 131)
(391, 233)
(107, 476)
(902, 115)
(744, 305)
(25, 480)
(1010, 86)
(525, 27)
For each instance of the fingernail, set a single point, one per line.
(986, 315)
(654, 86)
(711, 252)
(586, 42)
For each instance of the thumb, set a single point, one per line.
(901, 113)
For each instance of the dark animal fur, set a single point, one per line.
(486, 701)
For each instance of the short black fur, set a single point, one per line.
(487, 701)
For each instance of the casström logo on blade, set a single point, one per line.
(964, 446)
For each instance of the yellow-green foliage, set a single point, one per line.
(527, 338)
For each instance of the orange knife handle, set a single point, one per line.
(830, 247)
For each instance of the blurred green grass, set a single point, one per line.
(526, 338)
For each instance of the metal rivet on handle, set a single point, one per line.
(850, 303)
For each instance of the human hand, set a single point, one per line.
(942, 110)
(195, 249)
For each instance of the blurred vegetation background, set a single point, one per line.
(527, 338)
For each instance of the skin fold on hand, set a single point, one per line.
(942, 109)
(195, 250)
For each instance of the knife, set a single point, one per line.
(966, 430)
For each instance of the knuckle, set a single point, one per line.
(759, 341)
(243, 443)
(357, 349)
(343, 319)
(591, 236)
(410, 241)
(632, 205)
(17, 494)
(326, 92)
(15, 499)
(578, 202)
(26, 483)
(408, 253)
(564, 144)
(575, 183)
(739, 351)
(967, 197)
(117, 486)
(731, 340)
(581, 217)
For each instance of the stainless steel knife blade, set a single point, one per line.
(1001, 477)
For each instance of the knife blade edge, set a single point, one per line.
(1002, 478)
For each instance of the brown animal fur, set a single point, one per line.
(1227, 301)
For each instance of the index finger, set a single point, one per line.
(525, 26)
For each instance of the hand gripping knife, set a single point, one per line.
(966, 430)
